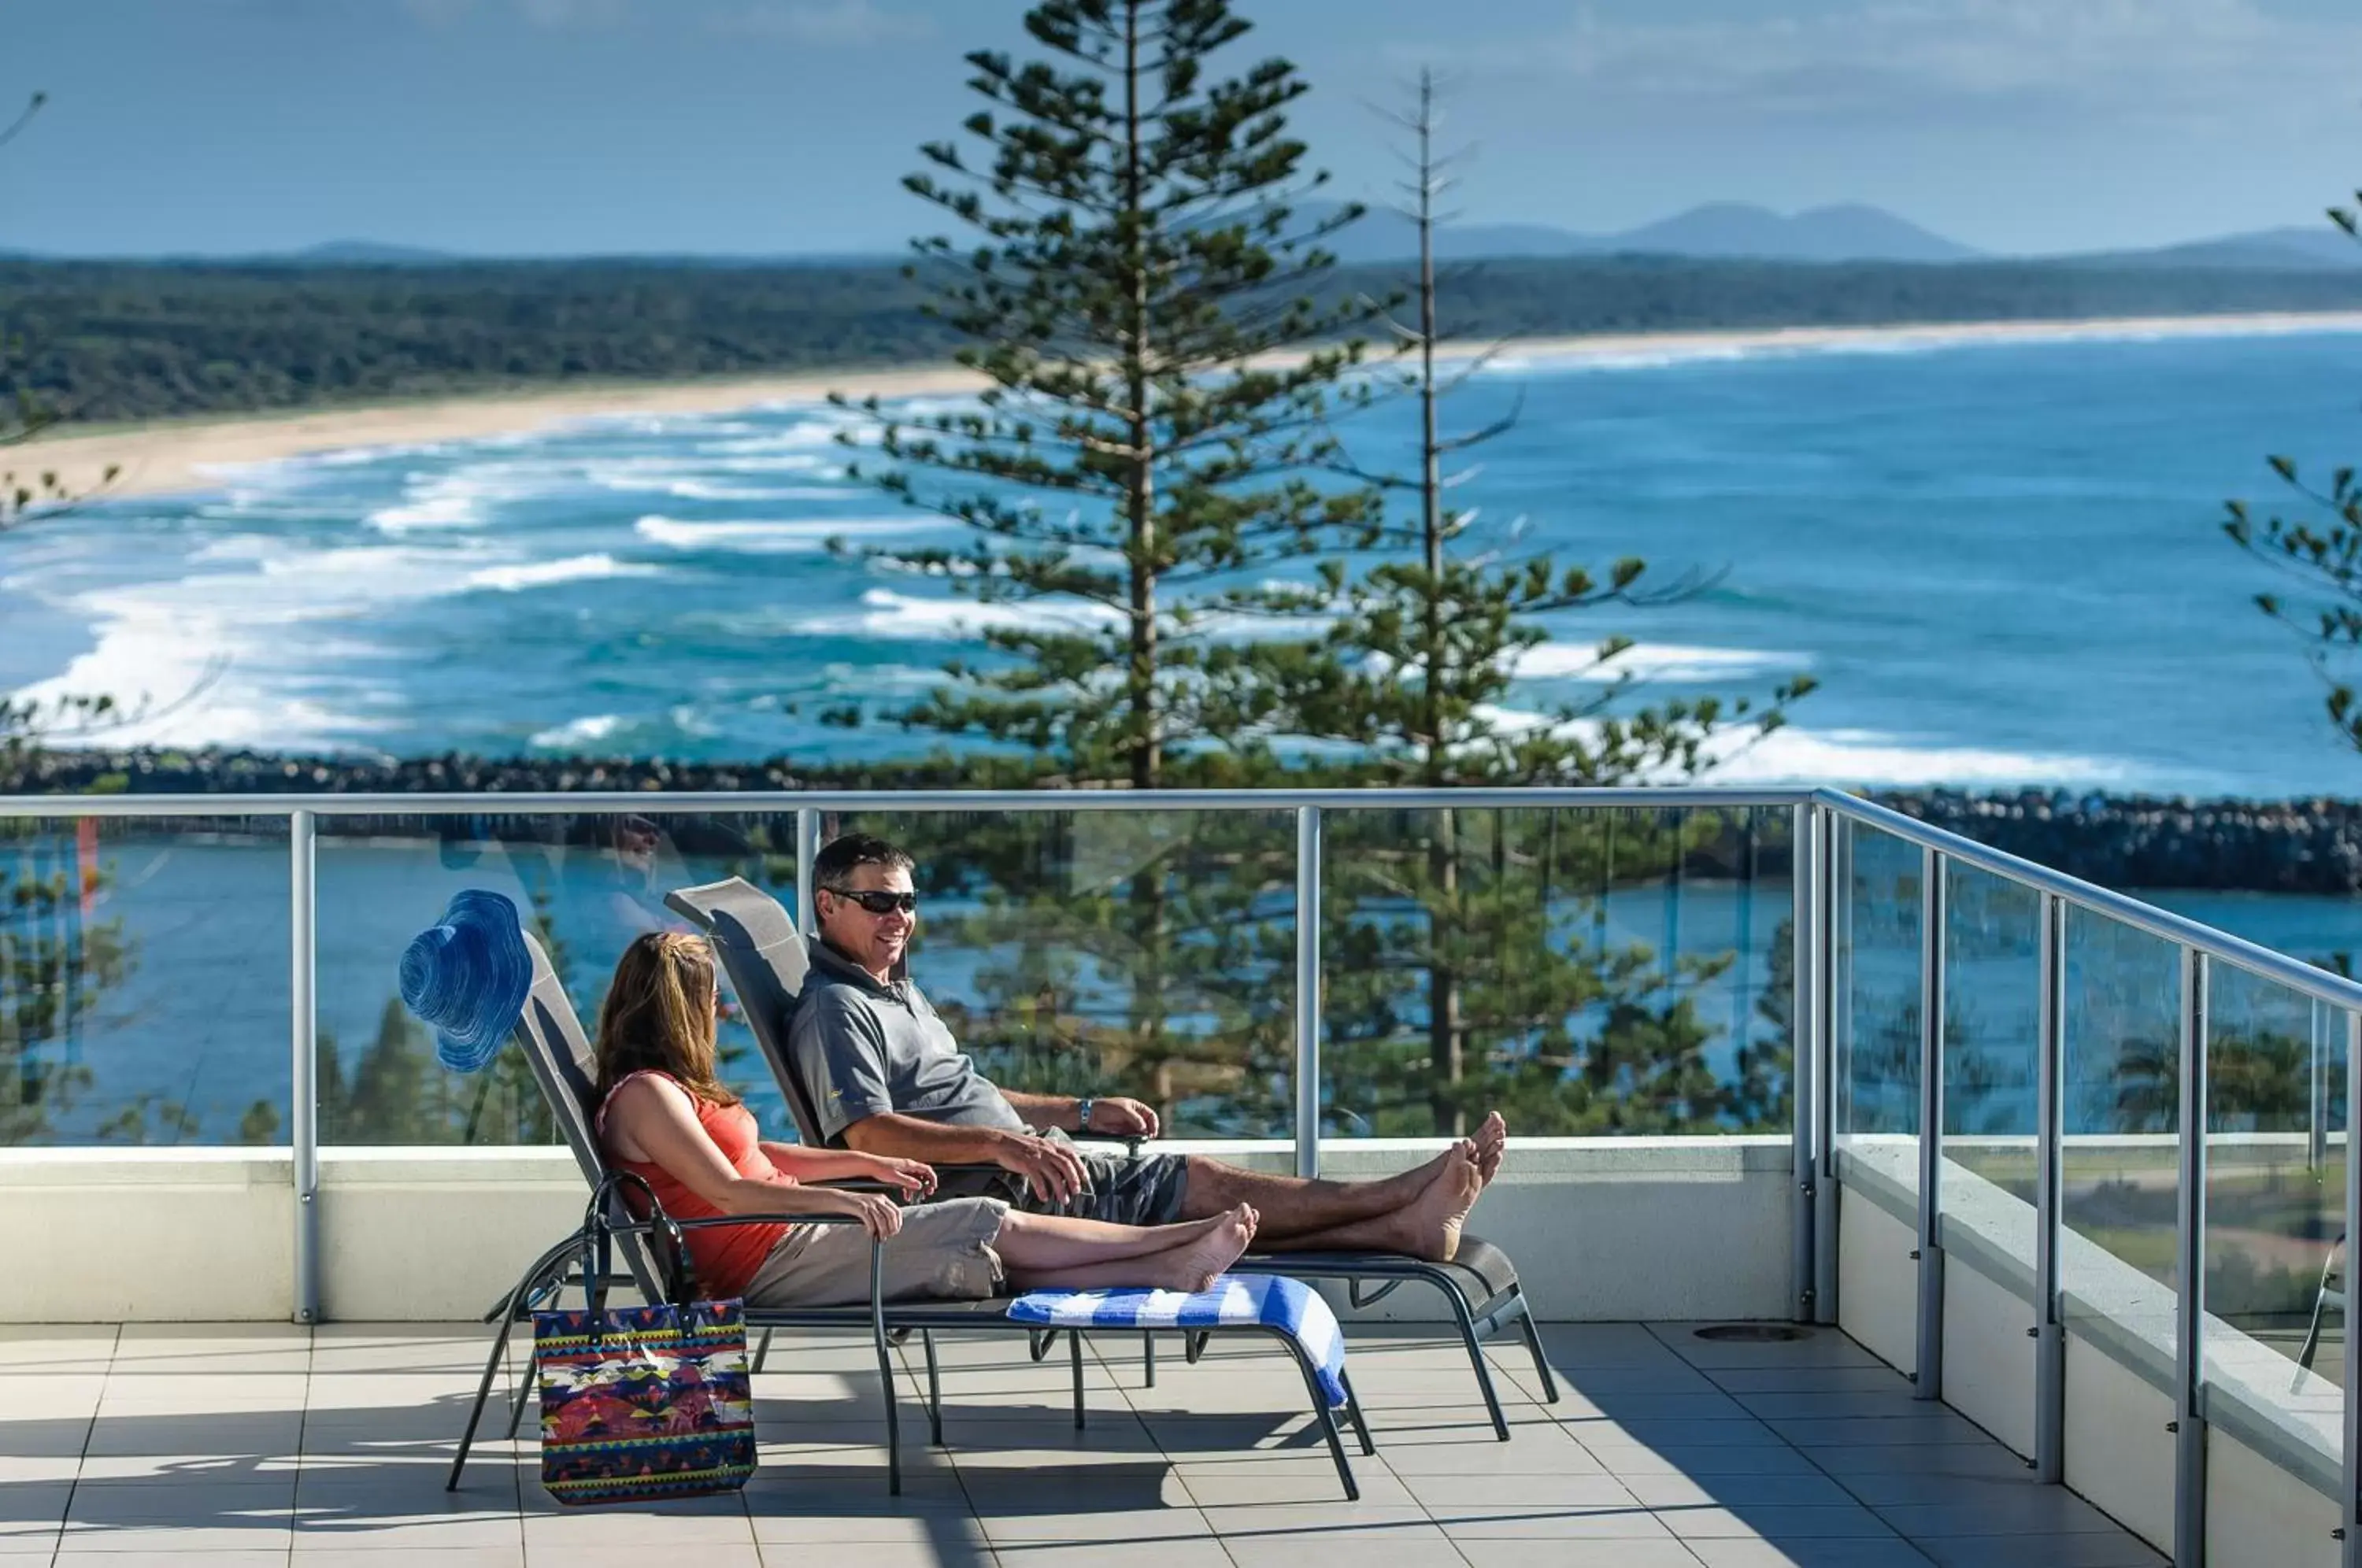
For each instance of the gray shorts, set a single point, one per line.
(944, 1252)
(1124, 1190)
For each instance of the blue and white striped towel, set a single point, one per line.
(1288, 1305)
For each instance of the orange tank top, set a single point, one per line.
(726, 1256)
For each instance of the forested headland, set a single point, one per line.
(104, 341)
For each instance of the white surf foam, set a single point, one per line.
(1642, 354)
(1843, 757)
(248, 658)
(804, 437)
(252, 547)
(802, 463)
(470, 495)
(432, 501)
(707, 490)
(771, 536)
(577, 733)
(1867, 759)
(545, 574)
(265, 654)
(1675, 662)
(657, 476)
(903, 617)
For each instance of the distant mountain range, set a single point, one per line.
(1737, 231)
(1721, 230)
(2273, 249)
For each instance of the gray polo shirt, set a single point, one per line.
(865, 1049)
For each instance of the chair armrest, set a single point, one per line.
(754, 1219)
(1131, 1141)
(877, 1269)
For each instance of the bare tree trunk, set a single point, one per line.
(1139, 501)
(1147, 753)
(1447, 1052)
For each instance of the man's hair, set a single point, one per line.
(835, 863)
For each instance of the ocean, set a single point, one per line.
(2001, 560)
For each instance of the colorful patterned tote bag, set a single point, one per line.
(640, 1402)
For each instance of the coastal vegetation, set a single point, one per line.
(108, 340)
(1166, 347)
(1471, 972)
(2321, 550)
(58, 958)
(1137, 474)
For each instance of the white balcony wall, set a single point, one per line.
(1601, 1230)
(2272, 1465)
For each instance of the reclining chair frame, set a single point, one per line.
(757, 941)
(558, 1051)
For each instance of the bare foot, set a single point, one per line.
(1491, 1142)
(1190, 1230)
(1196, 1264)
(1409, 1184)
(1430, 1227)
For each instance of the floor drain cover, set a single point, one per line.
(1754, 1333)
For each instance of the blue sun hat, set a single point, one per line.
(467, 979)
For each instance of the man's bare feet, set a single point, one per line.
(1196, 1266)
(1430, 1227)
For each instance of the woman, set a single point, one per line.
(665, 1116)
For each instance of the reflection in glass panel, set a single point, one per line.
(2120, 1162)
(1880, 882)
(2274, 1201)
(1149, 953)
(1139, 952)
(584, 883)
(1992, 995)
(144, 989)
(1586, 972)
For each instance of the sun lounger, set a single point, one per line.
(766, 961)
(558, 1052)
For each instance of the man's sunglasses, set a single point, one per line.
(878, 903)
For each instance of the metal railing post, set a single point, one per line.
(2189, 1276)
(2316, 1143)
(2350, 1495)
(1927, 1380)
(1830, 989)
(303, 1101)
(1805, 1033)
(1307, 992)
(807, 851)
(2050, 1330)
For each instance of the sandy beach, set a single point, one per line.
(181, 456)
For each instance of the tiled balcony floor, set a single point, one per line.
(263, 1444)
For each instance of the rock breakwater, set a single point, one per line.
(2290, 846)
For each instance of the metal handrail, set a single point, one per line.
(733, 801)
(2163, 924)
(2182, 931)
(2263, 962)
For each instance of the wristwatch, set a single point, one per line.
(1083, 1114)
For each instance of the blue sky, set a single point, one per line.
(760, 126)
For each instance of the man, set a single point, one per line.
(889, 1079)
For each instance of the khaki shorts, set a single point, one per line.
(944, 1252)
